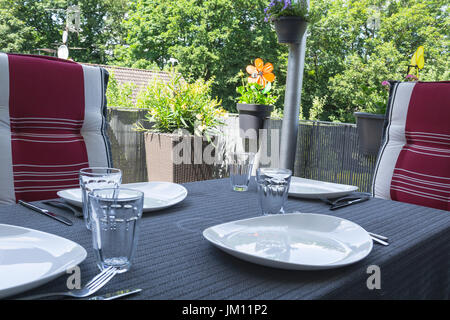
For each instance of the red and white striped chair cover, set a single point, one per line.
(52, 124)
(414, 161)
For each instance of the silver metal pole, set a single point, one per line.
(294, 80)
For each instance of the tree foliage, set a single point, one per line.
(352, 45)
(210, 39)
(26, 26)
(119, 94)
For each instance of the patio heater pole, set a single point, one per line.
(294, 80)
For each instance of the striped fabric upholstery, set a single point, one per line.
(52, 124)
(414, 162)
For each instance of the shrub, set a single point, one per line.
(119, 95)
(180, 105)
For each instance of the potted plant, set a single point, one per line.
(256, 98)
(290, 18)
(371, 123)
(185, 121)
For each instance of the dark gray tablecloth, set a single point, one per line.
(174, 261)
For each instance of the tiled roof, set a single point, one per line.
(140, 77)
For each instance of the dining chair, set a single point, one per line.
(52, 124)
(413, 164)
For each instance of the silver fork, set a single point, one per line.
(90, 288)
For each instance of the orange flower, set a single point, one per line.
(260, 73)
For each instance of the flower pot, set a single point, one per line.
(177, 158)
(370, 131)
(251, 118)
(290, 29)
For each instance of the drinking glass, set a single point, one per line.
(96, 178)
(116, 215)
(240, 165)
(273, 187)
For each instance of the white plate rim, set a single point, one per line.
(283, 264)
(13, 290)
(179, 199)
(345, 189)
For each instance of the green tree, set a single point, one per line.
(354, 45)
(26, 26)
(119, 95)
(210, 39)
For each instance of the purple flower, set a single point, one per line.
(283, 7)
(385, 83)
(411, 77)
(287, 4)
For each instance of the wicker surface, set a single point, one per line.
(162, 150)
(174, 261)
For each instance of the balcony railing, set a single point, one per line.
(325, 151)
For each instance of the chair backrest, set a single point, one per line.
(52, 124)
(414, 161)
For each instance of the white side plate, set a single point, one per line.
(313, 189)
(157, 195)
(296, 241)
(29, 258)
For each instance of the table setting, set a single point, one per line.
(241, 237)
(112, 213)
(295, 241)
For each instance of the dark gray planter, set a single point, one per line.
(290, 29)
(251, 118)
(370, 131)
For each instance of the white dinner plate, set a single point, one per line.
(157, 195)
(30, 258)
(314, 189)
(296, 241)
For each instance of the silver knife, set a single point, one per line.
(117, 294)
(46, 212)
(347, 203)
(384, 243)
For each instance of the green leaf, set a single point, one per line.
(184, 122)
(267, 88)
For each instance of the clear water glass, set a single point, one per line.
(240, 165)
(116, 215)
(273, 187)
(96, 178)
